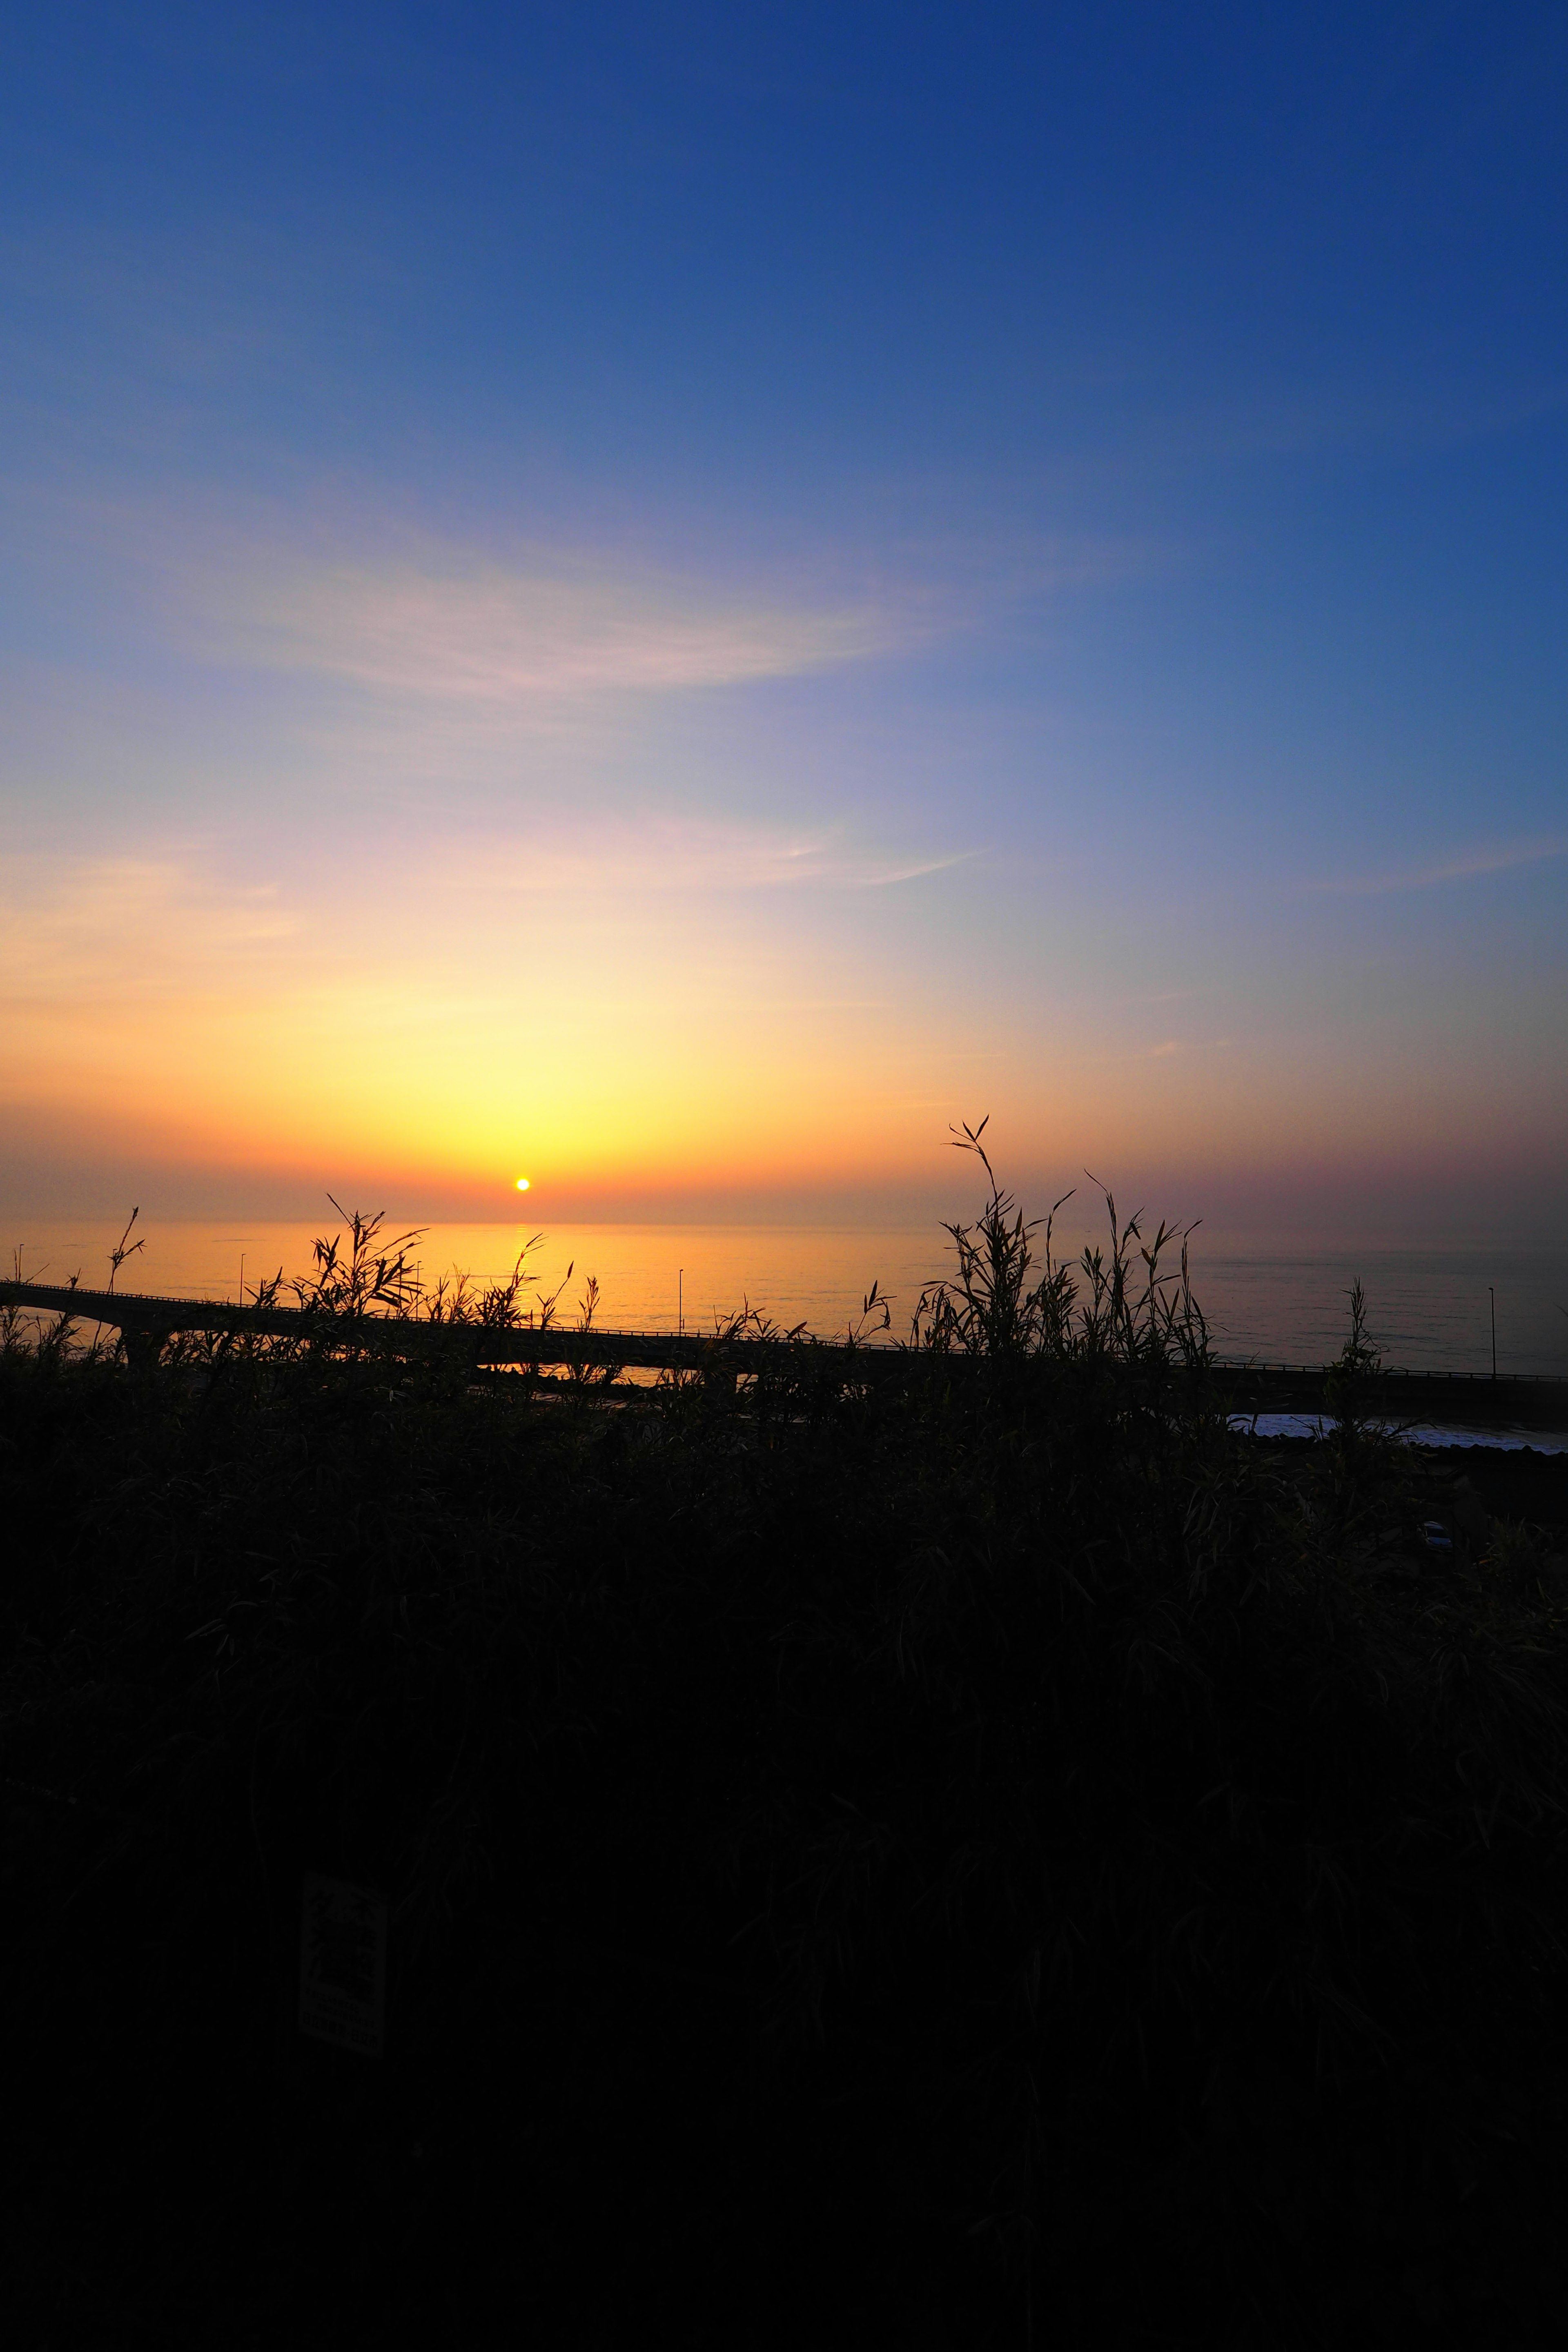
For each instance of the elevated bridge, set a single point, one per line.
(1509, 1401)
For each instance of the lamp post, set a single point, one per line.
(1491, 1293)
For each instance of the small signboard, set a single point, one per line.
(343, 1964)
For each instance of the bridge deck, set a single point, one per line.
(1512, 1399)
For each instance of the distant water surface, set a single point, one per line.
(1429, 1309)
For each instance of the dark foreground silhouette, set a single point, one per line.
(958, 1862)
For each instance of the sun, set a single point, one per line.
(523, 1183)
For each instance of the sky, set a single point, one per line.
(674, 598)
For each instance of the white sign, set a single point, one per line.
(343, 1964)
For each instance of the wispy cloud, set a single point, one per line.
(1286, 419)
(1170, 1046)
(506, 640)
(656, 853)
(1492, 859)
(875, 878)
(131, 927)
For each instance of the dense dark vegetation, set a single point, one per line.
(989, 1857)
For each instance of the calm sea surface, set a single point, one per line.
(1429, 1309)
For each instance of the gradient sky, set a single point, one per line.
(672, 598)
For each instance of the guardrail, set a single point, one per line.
(1522, 1399)
(1391, 1372)
(146, 1323)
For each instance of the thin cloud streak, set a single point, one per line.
(134, 927)
(909, 873)
(509, 640)
(1497, 859)
(668, 854)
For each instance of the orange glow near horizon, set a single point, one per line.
(734, 1045)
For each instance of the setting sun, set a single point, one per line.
(523, 1183)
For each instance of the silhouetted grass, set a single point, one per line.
(993, 1852)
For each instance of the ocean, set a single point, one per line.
(1429, 1309)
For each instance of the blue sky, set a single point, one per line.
(680, 596)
